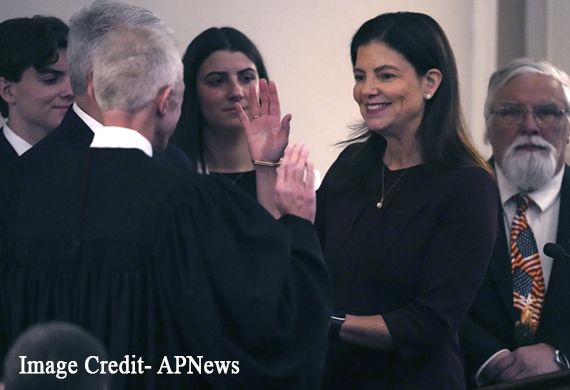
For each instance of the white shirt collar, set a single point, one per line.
(122, 138)
(19, 144)
(543, 197)
(93, 124)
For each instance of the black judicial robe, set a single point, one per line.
(71, 136)
(155, 264)
(74, 134)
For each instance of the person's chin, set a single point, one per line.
(232, 125)
(53, 123)
(375, 125)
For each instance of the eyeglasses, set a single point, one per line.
(543, 115)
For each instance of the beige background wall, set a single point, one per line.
(305, 45)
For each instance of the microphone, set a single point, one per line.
(555, 251)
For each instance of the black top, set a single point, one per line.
(418, 261)
(158, 264)
(246, 180)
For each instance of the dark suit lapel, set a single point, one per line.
(558, 293)
(500, 267)
(7, 152)
(75, 130)
(563, 231)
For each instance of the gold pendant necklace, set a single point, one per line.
(383, 195)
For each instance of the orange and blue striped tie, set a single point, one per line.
(528, 282)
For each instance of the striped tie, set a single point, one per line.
(528, 283)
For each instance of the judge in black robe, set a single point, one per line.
(156, 264)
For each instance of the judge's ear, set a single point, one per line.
(432, 80)
(7, 90)
(163, 100)
(90, 86)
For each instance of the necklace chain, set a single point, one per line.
(383, 195)
(237, 177)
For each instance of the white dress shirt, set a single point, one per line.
(122, 138)
(19, 144)
(93, 124)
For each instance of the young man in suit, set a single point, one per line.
(35, 91)
(161, 266)
(518, 324)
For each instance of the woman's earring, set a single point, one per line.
(428, 96)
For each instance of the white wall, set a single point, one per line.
(305, 44)
(548, 31)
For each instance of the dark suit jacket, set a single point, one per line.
(418, 261)
(7, 153)
(73, 134)
(491, 320)
(8, 159)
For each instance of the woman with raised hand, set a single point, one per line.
(220, 67)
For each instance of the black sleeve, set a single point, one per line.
(478, 345)
(254, 289)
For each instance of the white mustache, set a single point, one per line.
(534, 140)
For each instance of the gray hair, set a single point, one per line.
(132, 65)
(523, 66)
(58, 341)
(87, 30)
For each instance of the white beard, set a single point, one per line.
(529, 170)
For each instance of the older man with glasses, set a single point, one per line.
(519, 324)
